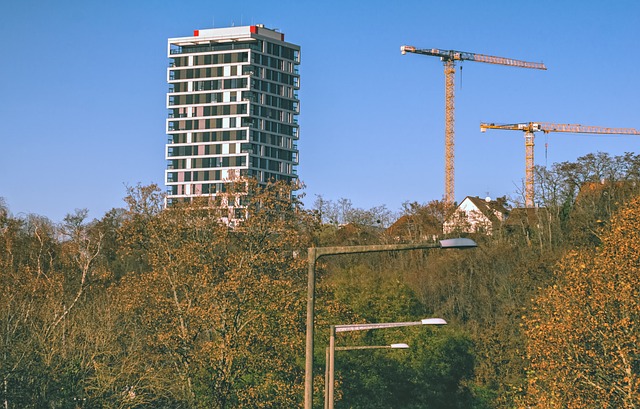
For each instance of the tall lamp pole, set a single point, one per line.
(314, 253)
(363, 327)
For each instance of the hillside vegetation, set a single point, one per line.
(148, 308)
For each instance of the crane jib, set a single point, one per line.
(548, 127)
(453, 55)
(508, 61)
(572, 128)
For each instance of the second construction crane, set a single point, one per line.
(449, 58)
(530, 127)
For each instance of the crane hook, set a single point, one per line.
(546, 149)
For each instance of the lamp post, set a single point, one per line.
(314, 253)
(351, 348)
(363, 327)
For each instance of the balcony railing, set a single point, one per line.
(203, 48)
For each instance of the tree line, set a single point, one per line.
(149, 307)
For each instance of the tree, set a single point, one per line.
(583, 331)
(434, 373)
(218, 309)
(27, 303)
(421, 222)
(583, 195)
(343, 212)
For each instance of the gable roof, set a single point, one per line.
(475, 215)
(493, 210)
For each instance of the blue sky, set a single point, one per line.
(84, 83)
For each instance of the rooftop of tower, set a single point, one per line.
(227, 34)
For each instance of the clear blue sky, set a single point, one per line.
(84, 84)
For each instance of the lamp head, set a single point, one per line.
(458, 243)
(433, 321)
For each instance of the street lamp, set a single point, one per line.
(314, 253)
(363, 327)
(351, 348)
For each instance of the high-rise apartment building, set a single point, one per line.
(233, 109)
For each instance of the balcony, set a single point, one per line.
(249, 70)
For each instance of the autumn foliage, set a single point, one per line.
(150, 307)
(153, 308)
(583, 331)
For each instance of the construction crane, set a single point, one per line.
(449, 58)
(529, 128)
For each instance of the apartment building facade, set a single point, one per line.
(233, 107)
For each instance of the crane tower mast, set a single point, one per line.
(529, 128)
(449, 58)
